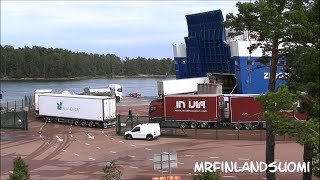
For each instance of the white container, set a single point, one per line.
(79, 107)
(180, 86)
(36, 97)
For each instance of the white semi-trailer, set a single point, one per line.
(79, 110)
(180, 86)
(36, 97)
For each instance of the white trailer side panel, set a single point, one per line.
(36, 96)
(180, 86)
(77, 107)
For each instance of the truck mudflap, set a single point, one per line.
(110, 123)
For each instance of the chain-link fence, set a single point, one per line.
(171, 128)
(14, 114)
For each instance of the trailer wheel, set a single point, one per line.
(128, 136)
(90, 123)
(149, 137)
(117, 99)
(83, 123)
(248, 126)
(193, 125)
(237, 126)
(183, 125)
(203, 125)
(76, 122)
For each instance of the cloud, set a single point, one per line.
(100, 23)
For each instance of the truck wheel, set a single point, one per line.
(90, 123)
(149, 137)
(117, 99)
(237, 126)
(193, 125)
(76, 122)
(128, 137)
(203, 125)
(83, 123)
(248, 126)
(183, 125)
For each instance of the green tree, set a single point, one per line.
(20, 170)
(112, 172)
(269, 20)
(206, 176)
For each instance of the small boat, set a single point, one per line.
(135, 94)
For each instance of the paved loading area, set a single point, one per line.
(58, 151)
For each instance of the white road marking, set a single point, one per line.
(151, 159)
(132, 167)
(229, 176)
(243, 159)
(55, 146)
(75, 154)
(40, 135)
(47, 142)
(59, 139)
(112, 138)
(213, 157)
(90, 137)
(87, 144)
(121, 142)
(69, 132)
(42, 139)
(131, 156)
(70, 129)
(133, 145)
(64, 150)
(71, 135)
(75, 139)
(113, 152)
(92, 159)
(148, 149)
(100, 129)
(40, 128)
(39, 132)
(188, 155)
(102, 132)
(106, 135)
(98, 147)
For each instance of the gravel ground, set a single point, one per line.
(59, 151)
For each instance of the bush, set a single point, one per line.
(20, 170)
(206, 176)
(112, 172)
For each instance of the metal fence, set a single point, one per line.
(127, 122)
(14, 114)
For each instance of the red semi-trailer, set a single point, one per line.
(204, 111)
(189, 110)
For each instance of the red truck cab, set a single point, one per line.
(156, 110)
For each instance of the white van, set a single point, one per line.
(147, 131)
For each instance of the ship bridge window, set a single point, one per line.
(119, 90)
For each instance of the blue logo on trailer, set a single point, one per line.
(59, 105)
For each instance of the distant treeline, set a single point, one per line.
(40, 62)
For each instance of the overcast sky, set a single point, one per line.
(125, 28)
